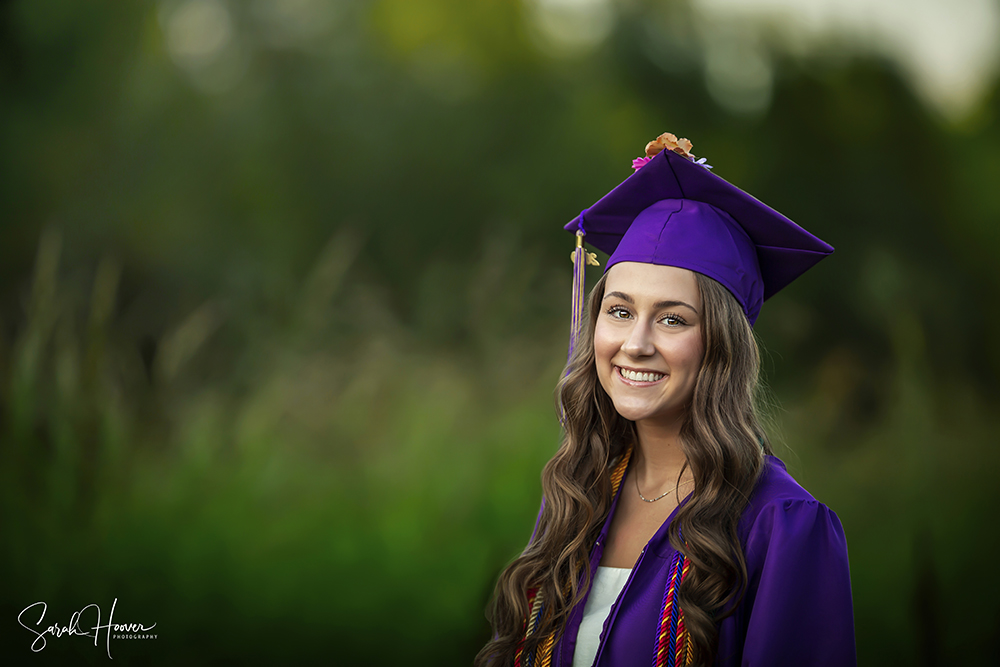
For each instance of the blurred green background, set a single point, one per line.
(284, 295)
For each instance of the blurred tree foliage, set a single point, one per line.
(283, 294)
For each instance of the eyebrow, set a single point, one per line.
(657, 305)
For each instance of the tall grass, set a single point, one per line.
(331, 494)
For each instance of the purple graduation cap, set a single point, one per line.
(673, 211)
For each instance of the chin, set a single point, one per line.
(635, 413)
(631, 415)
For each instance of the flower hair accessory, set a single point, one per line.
(668, 141)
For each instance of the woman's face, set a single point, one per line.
(648, 340)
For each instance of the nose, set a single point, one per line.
(639, 342)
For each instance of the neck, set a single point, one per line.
(659, 456)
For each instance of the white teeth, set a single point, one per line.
(640, 377)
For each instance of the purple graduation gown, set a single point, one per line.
(797, 609)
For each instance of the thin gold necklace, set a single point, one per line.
(636, 478)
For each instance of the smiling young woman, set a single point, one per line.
(669, 534)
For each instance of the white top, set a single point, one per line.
(604, 590)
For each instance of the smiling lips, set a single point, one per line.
(646, 377)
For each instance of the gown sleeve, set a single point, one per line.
(800, 612)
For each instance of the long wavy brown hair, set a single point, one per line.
(725, 446)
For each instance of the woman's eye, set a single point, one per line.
(673, 321)
(618, 313)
